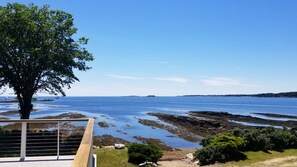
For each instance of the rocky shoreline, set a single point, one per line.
(204, 123)
(180, 132)
(192, 126)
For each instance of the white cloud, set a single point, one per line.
(173, 79)
(123, 77)
(223, 81)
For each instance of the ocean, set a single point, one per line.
(122, 112)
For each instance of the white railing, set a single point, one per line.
(85, 147)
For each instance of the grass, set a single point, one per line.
(107, 157)
(260, 156)
(112, 158)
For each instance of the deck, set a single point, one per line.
(37, 154)
(41, 161)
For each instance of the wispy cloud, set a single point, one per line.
(123, 77)
(224, 81)
(173, 79)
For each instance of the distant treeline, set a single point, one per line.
(282, 94)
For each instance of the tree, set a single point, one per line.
(38, 52)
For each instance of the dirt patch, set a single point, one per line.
(177, 163)
(279, 162)
(176, 155)
(177, 159)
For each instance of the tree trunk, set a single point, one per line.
(25, 106)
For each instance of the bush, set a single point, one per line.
(226, 147)
(206, 141)
(264, 139)
(221, 148)
(208, 155)
(139, 153)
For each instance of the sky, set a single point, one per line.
(182, 47)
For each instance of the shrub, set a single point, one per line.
(139, 153)
(267, 139)
(208, 155)
(226, 147)
(206, 141)
(221, 148)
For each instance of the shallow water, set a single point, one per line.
(123, 111)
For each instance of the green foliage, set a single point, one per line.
(208, 155)
(139, 153)
(270, 138)
(228, 146)
(226, 142)
(206, 141)
(221, 148)
(38, 52)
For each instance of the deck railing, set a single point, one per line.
(84, 155)
(49, 142)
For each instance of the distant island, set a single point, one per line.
(150, 96)
(282, 94)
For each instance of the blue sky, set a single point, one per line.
(167, 47)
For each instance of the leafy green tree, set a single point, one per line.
(38, 52)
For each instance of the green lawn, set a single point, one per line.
(112, 158)
(119, 158)
(256, 157)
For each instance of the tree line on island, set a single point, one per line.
(282, 94)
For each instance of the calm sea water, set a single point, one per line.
(124, 111)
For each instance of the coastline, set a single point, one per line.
(189, 126)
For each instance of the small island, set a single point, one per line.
(151, 96)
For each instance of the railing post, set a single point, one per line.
(91, 159)
(58, 141)
(23, 141)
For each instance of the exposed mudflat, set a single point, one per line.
(277, 115)
(155, 142)
(180, 132)
(225, 117)
(205, 123)
(108, 140)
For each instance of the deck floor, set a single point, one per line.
(42, 161)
